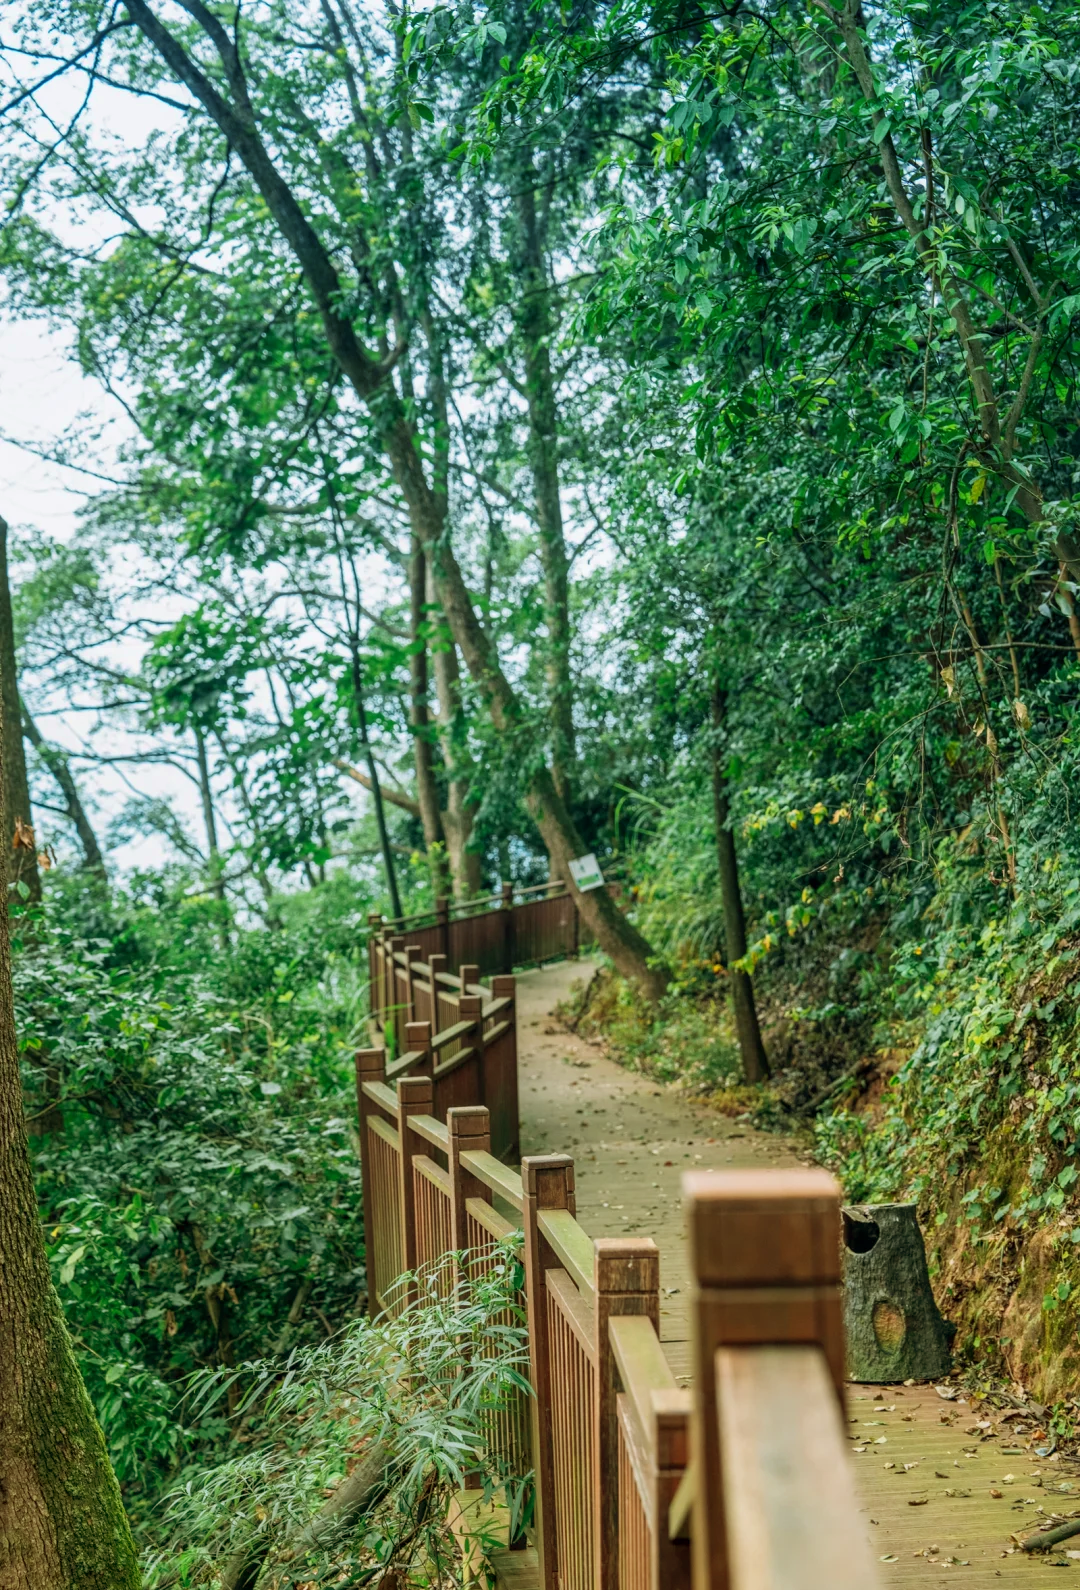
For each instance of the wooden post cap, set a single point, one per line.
(763, 1227)
(468, 1120)
(418, 1034)
(541, 1174)
(371, 1063)
(626, 1264)
(470, 1006)
(470, 976)
(414, 1094)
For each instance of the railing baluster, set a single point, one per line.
(414, 1098)
(370, 1067)
(627, 1281)
(547, 1183)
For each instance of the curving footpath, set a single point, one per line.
(941, 1495)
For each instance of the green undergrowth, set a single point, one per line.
(953, 1080)
(682, 1040)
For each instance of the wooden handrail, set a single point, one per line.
(642, 1364)
(571, 1245)
(458, 1030)
(381, 1095)
(496, 1177)
(431, 1130)
(455, 1062)
(793, 1521)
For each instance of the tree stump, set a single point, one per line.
(893, 1327)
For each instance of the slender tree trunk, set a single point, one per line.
(535, 326)
(62, 1521)
(457, 815)
(373, 775)
(17, 833)
(755, 1061)
(217, 882)
(58, 765)
(427, 788)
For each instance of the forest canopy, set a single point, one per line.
(633, 430)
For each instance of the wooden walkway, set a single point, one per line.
(574, 1100)
(923, 1483)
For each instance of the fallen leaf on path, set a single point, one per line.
(918, 1501)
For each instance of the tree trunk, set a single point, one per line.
(62, 1521)
(373, 775)
(427, 789)
(17, 831)
(755, 1061)
(217, 881)
(457, 815)
(891, 1321)
(58, 766)
(534, 323)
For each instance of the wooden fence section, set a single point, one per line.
(458, 1032)
(492, 934)
(741, 1484)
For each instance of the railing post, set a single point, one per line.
(471, 1009)
(418, 1039)
(470, 976)
(670, 1567)
(436, 968)
(370, 1067)
(627, 1281)
(468, 1126)
(547, 1182)
(397, 944)
(414, 1098)
(410, 1007)
(508, 926)
(442, 922)
(387, 976)
(506, 988)
(765, 1264)
(374, 923)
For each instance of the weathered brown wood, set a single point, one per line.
(765, 1262)
(442, 922)
(501, 1069)
(469, 976)
(571, 1246)
(431, 1130)
(414, 1098)
(626, 1280)
(370, 1068)
(547, 1183)
(418, 1039)
(793, 1519)
(496, 1176)
(468, 1129)
(412, 953)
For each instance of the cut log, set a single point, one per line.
(893, 1328)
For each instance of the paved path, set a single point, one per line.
(923, 1482)
(631, 1138)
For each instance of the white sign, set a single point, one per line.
(586, 873)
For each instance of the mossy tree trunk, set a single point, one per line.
(62, 1522)
(20, 848)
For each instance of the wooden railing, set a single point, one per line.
(741, 1483)
(456, 1031)
(493, 933)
